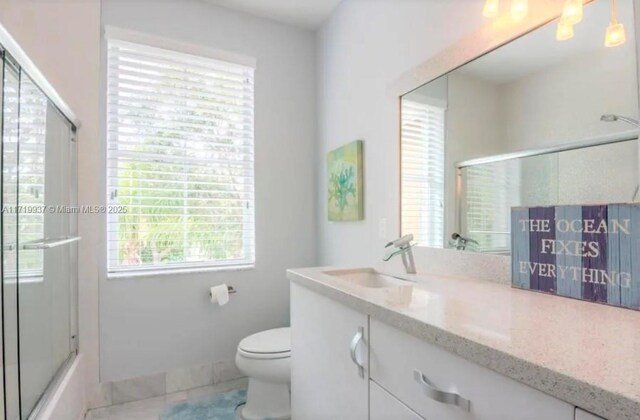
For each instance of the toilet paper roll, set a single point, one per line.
(220, 294)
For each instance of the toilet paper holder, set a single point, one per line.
(229, 288)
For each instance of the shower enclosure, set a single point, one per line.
(39, 236)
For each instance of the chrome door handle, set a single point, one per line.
(355, 342)
(50, 243)
(436, 394)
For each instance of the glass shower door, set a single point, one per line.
(38, 292)
(45, 242)
(10, 114)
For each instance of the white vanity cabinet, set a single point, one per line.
(439, 385)
(385, 406)
(346, 365)
(328, 341)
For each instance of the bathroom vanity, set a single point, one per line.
(369, 346)
(506, 117)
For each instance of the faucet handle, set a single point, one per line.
(401, 242)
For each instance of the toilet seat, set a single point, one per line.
(270, 344)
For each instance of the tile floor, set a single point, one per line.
(151, 408)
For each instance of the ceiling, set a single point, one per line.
(307, 14)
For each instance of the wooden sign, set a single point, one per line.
(584, 252)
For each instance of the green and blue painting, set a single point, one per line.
(344, 168)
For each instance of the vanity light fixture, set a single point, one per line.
(615, 31)
(564, 31)
(491, 8)
(572, 12)
(519, 9)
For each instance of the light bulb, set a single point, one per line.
(572, 12)
(615, 35)
(615, 31)
(519, 9)
(491, 8)
(564, 31)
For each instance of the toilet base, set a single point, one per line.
(267, 400)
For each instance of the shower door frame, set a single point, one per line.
(9, 49)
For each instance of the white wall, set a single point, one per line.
(70, 60)
(362, 50)
(161, 323)
(564, 103)
(474, 130)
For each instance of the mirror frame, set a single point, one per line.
(489, 37)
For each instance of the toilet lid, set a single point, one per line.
(277, 340)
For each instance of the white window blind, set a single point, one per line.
(422, 166)
(180, 160)
(489, 193)
(31, 173)
(25, 115)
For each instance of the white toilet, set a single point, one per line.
(265, 357)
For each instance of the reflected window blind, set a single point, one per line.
(180, 131)
(490, 192)
(25, 119)
(422, 166)
(31, 173)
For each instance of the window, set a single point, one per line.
(180, 170)
(490, 191)
(422, 170)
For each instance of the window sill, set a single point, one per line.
(177, 271)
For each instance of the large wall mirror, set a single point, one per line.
(531, 123)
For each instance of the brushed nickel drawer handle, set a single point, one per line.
(354, 350)
(436, 394)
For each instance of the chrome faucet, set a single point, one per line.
(461, 243)
(614, 117)
(402, 246)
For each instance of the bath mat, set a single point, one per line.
(215, 407)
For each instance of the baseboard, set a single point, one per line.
(160, 384)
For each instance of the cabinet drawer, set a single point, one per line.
(395, 357)
(384, 406)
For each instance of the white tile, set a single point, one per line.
(225, 371)
(176, 397)
(217, 388)
(183, 379)
(97, 414)
(99, 396)
(139, 388)
(151, 408)
(137, 410)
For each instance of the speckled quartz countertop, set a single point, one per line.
(583, 353)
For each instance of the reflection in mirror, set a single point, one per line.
(521, 126)
(489, 190)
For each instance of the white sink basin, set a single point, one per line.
(367, 277)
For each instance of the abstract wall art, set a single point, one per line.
(345, 183)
